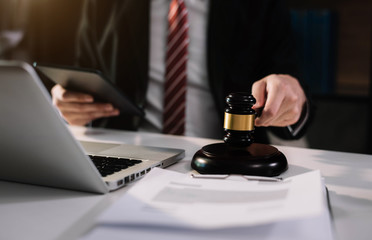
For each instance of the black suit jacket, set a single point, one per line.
(246, 41)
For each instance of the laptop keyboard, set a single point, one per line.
(109, 165)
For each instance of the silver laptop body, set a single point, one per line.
(36, 146)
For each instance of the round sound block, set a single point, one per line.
(256, 159)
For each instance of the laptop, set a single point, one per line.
(38, 148)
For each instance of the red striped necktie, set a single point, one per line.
(175, 70)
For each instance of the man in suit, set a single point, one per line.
(235, 46)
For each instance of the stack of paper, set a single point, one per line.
(167, 204)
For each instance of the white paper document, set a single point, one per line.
(173, 199)
(166, 199)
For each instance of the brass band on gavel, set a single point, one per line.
(238, 122)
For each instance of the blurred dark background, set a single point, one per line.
(49, 29)
(334, 39)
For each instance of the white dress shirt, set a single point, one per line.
(201, 114)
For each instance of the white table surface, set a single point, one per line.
(33, 212)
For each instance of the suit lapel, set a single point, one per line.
(221, 27)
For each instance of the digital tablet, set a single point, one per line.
(92, 82)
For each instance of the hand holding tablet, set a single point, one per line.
(77, 87)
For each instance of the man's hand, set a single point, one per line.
(282, 99)
(79, 108)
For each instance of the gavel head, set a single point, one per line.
(239, 119)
